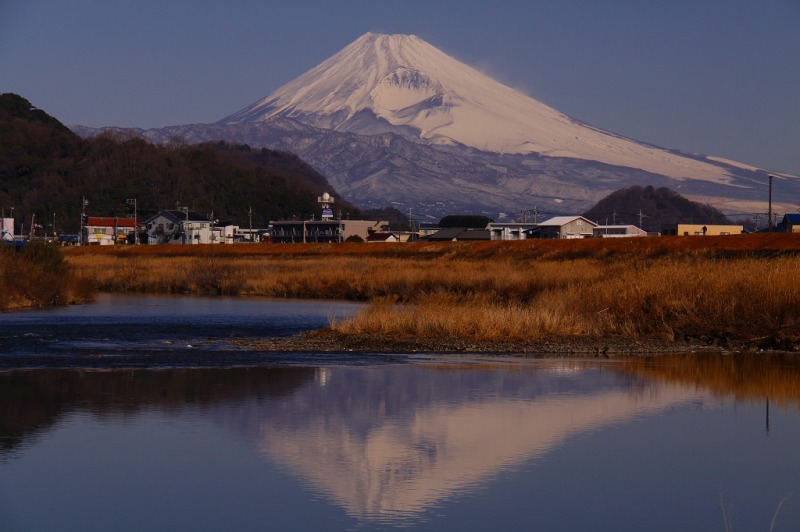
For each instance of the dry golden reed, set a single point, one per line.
(741, 289)
(37, 276)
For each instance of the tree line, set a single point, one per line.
(650, 208)
(46, 171)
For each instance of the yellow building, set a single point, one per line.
(701, 230)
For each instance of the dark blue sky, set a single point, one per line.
(720, 77)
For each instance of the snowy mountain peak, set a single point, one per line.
(380, 73)
(400, 83)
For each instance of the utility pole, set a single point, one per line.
(250, 216)
(84, 203)
(132, 201)
(771, 223)
(642, 216)
(185, 228)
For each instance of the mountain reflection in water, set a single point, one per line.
(443, 433)
(388, 443)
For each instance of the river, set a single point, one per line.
(135, 414)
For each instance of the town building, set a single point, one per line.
(426, 229)
(180, 227)
(564, 227)
(306, 231)
(790, 223)
(383, 236)
(7, 229)
(617, 231)
(510, 230)
(458, 234)
(108, 230)
(701, 230)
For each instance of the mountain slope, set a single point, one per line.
(374, 171)
(391, 120)
(397, 83)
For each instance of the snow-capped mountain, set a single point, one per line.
(392, 120)
(383, 83)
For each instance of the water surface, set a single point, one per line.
(377, 442)
(147, 330)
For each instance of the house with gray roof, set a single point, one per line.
(564, 227)
(179, 227)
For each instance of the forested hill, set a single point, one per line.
(46, 171)
(654, 206)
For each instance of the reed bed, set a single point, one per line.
(732, 292)
(37, 277)
(725, 302)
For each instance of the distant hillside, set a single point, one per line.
(654, 207)
(46, 170)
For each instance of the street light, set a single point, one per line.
(130, 201)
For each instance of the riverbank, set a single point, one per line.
(331, 341)
(588, 296)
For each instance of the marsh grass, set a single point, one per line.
(741, 290)
(37, 276)
(750, 300)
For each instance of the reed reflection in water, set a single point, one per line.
(454, 443)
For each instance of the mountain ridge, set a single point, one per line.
(405, 82)
(392, 120)
(374, 171)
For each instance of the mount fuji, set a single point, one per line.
(391, 83)
(390, 119)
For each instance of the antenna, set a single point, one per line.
(642, 216)
(771, 222)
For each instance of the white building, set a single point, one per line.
(618, 231)
(180, 227)
(510, 230)
(7, 229)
